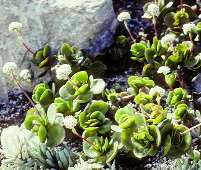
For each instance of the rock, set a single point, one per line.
(88, 24)
(196, 84)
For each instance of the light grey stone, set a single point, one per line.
(88, 24)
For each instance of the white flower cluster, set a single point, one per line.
(83, 165)
(164, 70)
(188, 28)
(153, 10)
(25, 75)
(63, 71)
(157, 90)
(70, 122)
(10, 69)
(13, 26)
(123, 16)
(168, 39)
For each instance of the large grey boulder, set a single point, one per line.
(88, 24)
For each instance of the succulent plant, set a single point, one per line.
(149, 53)
(177, 96)
(43, 95)
(173, 140)
(57, 158)
(138, 82)
(15, 150)
(66, 106)
(137, 136)
(181, 112)
(104, 151)
(93, 119)
(155, 113)
(81, 87)
(175, 20)
(170, 79)
(142, 98)
(42, 57)
(45, 125)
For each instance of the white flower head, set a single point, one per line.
(123, 16)
(168, 39)
(153, 10)
(169, 4)
(25, 75)
(164, 70)
(10, 69)
(188, 28)
(14, 26)
(70, 122)
(156, 91)
(63, 71)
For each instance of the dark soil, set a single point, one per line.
(12, 112)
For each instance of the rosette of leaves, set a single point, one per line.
(45, 125)
(147, 52)
(137, 136)
(43, 57)
(170, 79)
(183, 55)
(177, 96)
(60, 158)
(142, 98)
(175, 20)
(72, 55)
(110, 95)
(78, 60)
(181, 112)
(81, 87)
(138, 82)
(15, 149)
(104, 151)
(66, 107)
(155, 112)
(173, 140)
(93, 118)
(43, 95)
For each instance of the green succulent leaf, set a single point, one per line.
(56, 134)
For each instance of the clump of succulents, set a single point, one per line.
(93, 118)
(81, 87)
(45, 125)
(104, 150)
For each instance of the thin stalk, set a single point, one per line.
(181, 3)
(80, 136)
(25, 93)
(189, 130)
(129, 31)
(21, 40)
(155, 27)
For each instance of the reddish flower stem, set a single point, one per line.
(155, 30)
(129, 31)
(25, 93)
(80, 136)
(23, 43)
(181, 3)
